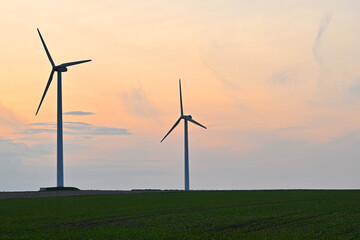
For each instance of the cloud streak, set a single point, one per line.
(324, 25)
(355, 88)
(137, 102)
(218, 75)
(77, 128)
(284, 77)
(9, 120)
(79, 113)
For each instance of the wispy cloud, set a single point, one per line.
(218, 75)
(137, 102)
(284, 77)
(229, 85)
(9, 120)
(12, 153)
(324, 25)
(354, 89)
(89, 129)
(79, 113)
(77, 128)
(30, 131)
(42, 124)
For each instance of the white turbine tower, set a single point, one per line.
(59, 69)
(186, 119)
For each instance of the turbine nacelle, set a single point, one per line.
(187, 117)
(60, 69)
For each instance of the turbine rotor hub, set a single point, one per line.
(60, 69)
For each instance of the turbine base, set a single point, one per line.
(54, 189)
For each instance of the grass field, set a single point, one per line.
(290, 214)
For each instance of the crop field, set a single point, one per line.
(278, 214)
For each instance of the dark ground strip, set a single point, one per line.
(37, 194)
(15, 195)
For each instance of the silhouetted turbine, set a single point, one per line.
(186, 119)
(59, 69)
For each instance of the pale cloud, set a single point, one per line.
(12, 153)
(83, 128)
(218, 75)
(31, 131)
(78, 113)
(9, 120)
(285, 77)
(42, 124)
(16, 174)
(77, 128)
(355, 88)
(324, 25)
(137, 102)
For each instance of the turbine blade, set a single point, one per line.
(46, 49)
(74, 63)
(46, 88)
(181, 106)
(177, 122)
(193, 121)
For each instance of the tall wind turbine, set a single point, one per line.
(186, 119)
(59, 69)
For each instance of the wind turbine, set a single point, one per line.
(186, 119)
(59, 69)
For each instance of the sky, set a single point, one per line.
(276, 82)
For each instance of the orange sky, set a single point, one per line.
(261, 75)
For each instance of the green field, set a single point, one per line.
(290, 214)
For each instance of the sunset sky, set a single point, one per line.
(276, 82)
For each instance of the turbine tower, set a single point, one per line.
(186, 145)
(59, 69)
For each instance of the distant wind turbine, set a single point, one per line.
(186, 119)
(59, 69)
